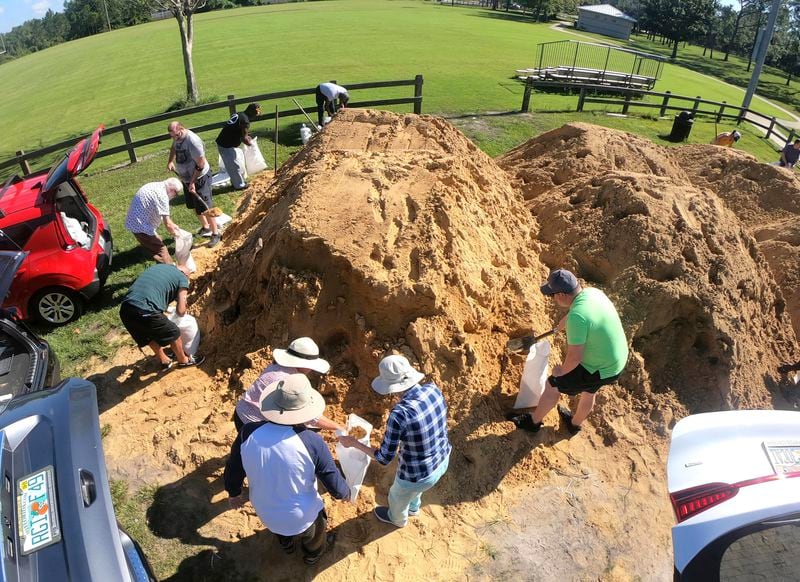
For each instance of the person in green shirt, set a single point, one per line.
(597, 351)
(142, 313)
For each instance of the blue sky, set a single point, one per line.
(14, 12)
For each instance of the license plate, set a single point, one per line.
(784, 456)
(37, 513)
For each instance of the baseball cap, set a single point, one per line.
(560, 281)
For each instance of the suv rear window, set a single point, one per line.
(770, 554)
(17, 233)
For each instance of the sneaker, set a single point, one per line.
(382, 513)
(566, 418)
(330, 539)
(215, 238)
(204, 232)
(412, 513)
(525, 422)
(194, 360)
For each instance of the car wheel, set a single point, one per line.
(56, 306)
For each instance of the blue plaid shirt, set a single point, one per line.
(418, 426)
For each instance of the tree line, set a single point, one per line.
(82, 18)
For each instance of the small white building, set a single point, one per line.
(605, 19)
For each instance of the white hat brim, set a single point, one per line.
(383, 387)
(286, 359)
(275, 414)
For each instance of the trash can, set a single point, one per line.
(682, 126)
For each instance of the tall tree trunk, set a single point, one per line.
(733, 35)
(186, 27)
(675, 50)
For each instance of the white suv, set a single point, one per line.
(734, 482)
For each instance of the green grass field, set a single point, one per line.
(468, 57)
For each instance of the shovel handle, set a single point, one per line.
(525, 342)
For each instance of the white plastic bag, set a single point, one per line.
(354, 463)
(253, 160)
(222, 220)
(190, 333)
(534, 376)
(183, 250)
(75, 230)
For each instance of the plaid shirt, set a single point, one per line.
(418, 426)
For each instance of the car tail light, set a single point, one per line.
(67, 242)
(690, 502)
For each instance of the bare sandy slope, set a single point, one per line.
(391, 232)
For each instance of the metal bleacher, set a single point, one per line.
(575, 62)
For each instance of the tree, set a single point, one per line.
(678, 20)
(184, 11)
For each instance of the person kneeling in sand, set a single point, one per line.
(417, 425)
(302, 356)
(283, 461)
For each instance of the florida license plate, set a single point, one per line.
(37, 513)
(784, 456)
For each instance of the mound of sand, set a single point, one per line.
(394, 233)
(708, 328)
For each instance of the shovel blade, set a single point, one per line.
(520, 344)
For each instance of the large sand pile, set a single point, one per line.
(391, 232)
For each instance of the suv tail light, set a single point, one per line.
(67, 242)
(689, 502)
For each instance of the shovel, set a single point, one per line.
(523, 344)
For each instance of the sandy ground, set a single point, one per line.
(395, 233)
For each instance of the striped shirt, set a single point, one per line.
(417, 426)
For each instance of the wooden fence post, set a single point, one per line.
(696, 106)
(770, 128)
(664, 104)
(26, 167)
(581, 98)
(231, 104)
(790, 139)
(418, 94)
(721, 111)
(526, 96)
(626, 104)
(126, 133)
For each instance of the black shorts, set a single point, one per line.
(200, 201)
(580, 380)
(148, 327)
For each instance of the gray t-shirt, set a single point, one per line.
(187, 150)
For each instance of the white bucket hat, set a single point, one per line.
(396, 375)
(302, 353)
(291, 401)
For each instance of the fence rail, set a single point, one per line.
(721, 109)
(23, 158)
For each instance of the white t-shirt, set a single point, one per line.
(148, 207)
(332, 91)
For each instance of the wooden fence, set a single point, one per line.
(23, 158)
(695, 105)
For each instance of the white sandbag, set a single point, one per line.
(253, 160)
(222, 220)
(183, 250)
(190, 333)
(534, 376)
(354, 463)
(75, 230)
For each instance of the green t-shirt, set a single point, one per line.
(156, 288)
(593, 321)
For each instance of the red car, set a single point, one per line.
(67, 239)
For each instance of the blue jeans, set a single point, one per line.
(405, 495)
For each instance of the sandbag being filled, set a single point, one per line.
(190, 333)
(183, 250)
(534, 376)
(354, 463)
